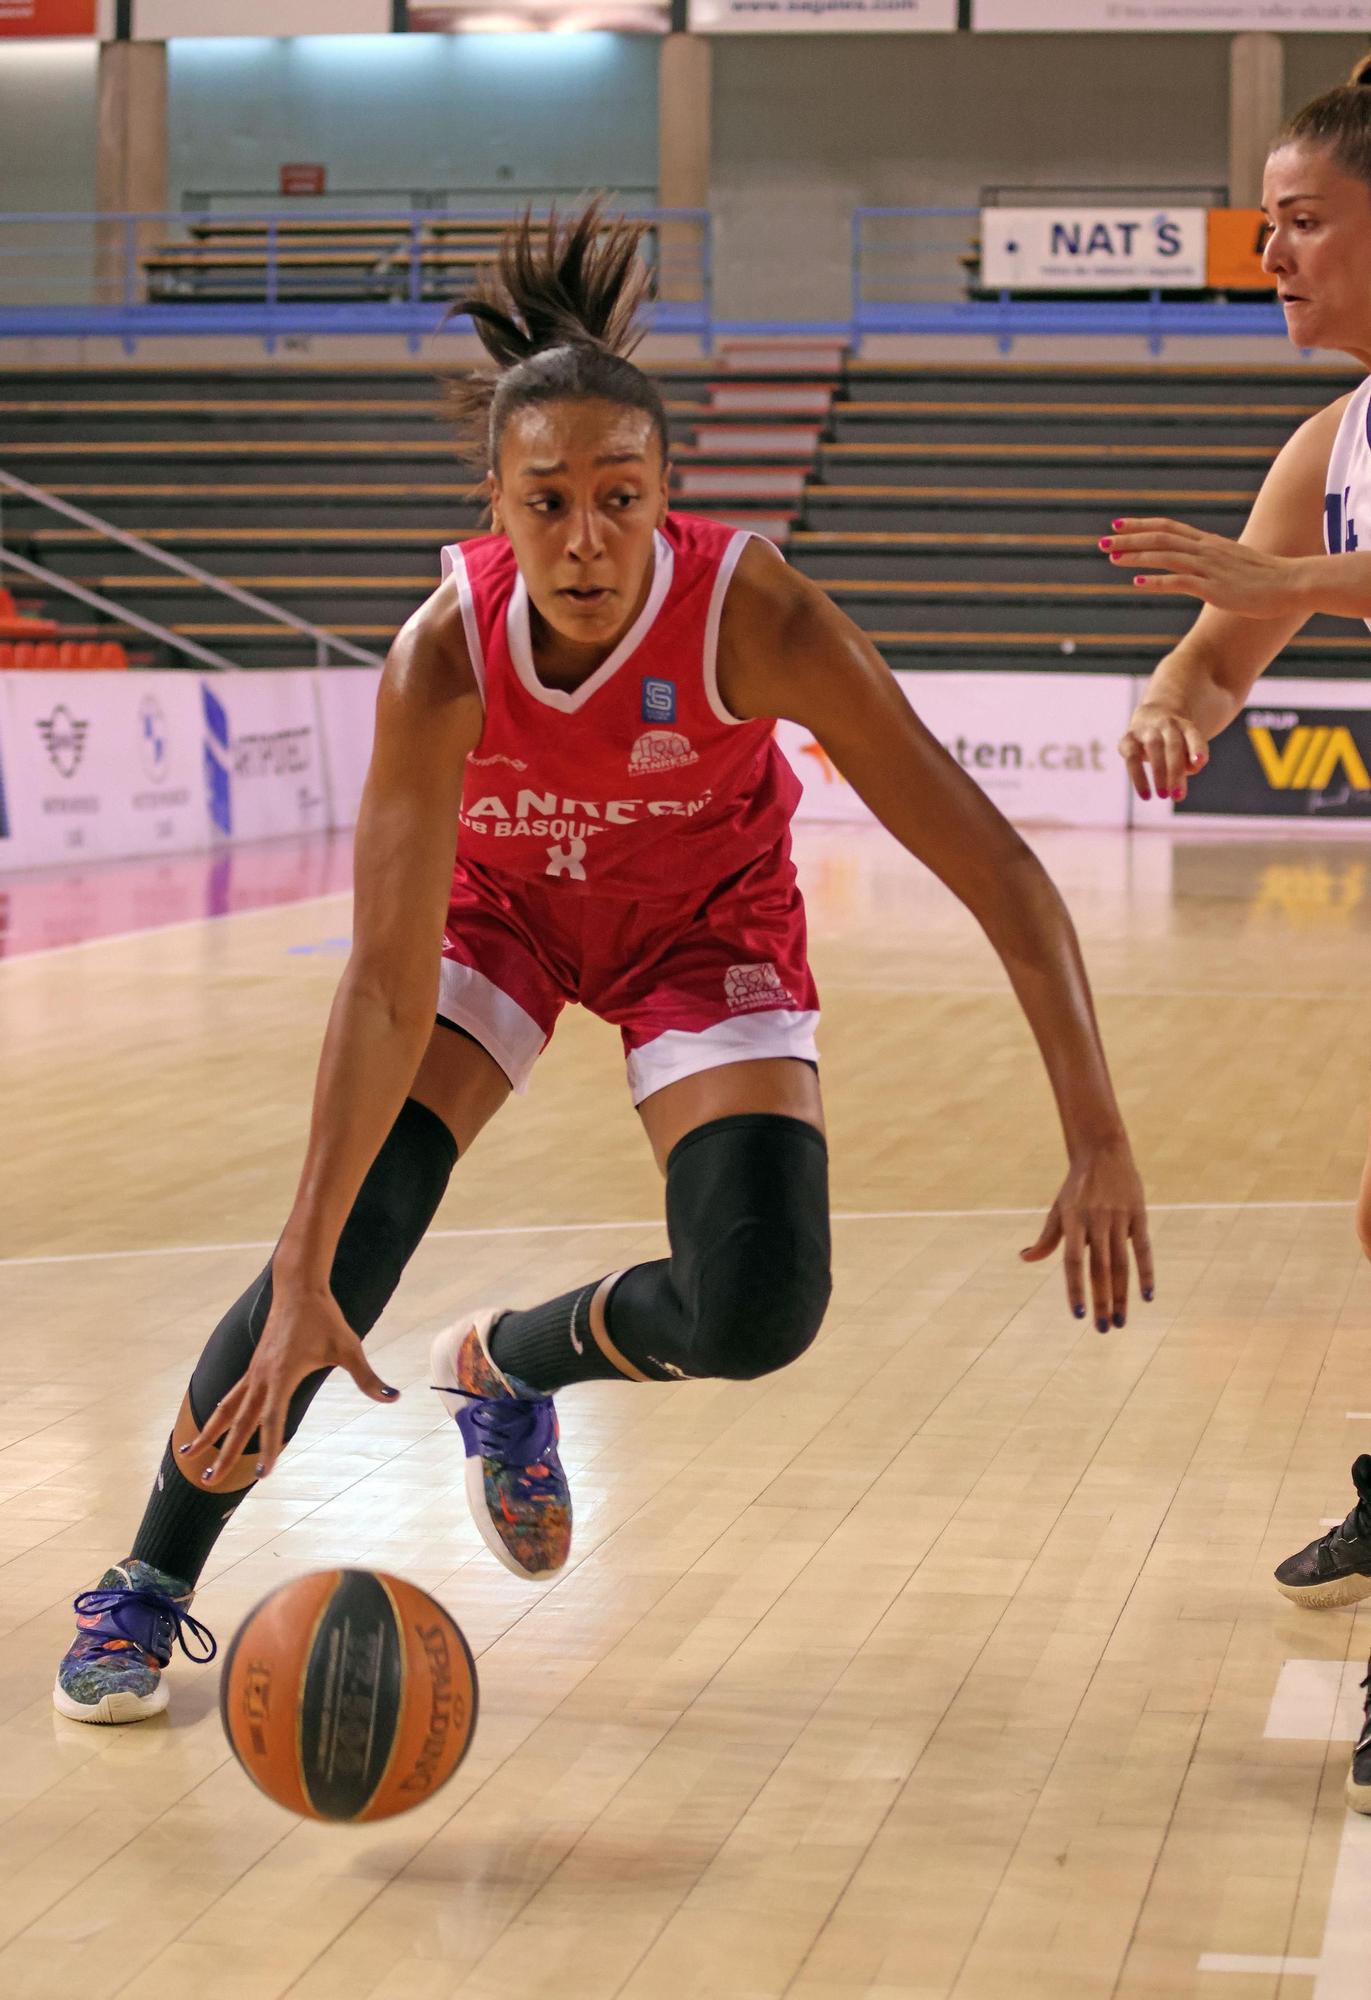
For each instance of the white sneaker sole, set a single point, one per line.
(119, 1707)
(442, 1363)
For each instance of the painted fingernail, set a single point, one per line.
(1102, 1325)
(1116, 524)
(182, 1450)
(1118, 1319)
(1149, 1296)
(206, 1475)
(1105, 542)
(389, 1393)
(1140, 579)
(260, 1469)
(1079, 1311)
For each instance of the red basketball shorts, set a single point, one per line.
(719, 978)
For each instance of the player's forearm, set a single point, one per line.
(1033, 934)
(372, 1048)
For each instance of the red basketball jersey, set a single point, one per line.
(638, 783)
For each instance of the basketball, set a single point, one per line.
(349, 1695)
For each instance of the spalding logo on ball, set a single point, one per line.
(349, 1695)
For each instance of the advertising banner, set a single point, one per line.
(1092, 249)
(1233, 260)
(1171, 17)
(101, 766)
(164, 20)
(347, 709)
(1042, 746)
(820, 17)
(263, 762)
(46, 17)
(1300, 751)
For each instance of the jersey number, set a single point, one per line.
(568, 859)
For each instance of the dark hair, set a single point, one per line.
(559, 316)
(1340, 120)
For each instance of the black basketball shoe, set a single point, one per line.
(1359, 1777)
(1336, 1569)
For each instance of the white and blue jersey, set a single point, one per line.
(1347, 486)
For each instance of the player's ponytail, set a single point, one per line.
(1339, 121)
(559, 315)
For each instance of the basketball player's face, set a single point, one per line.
(580, 490)
(1318, 248)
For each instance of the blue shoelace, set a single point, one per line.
(513, 1429)
(147, 1619)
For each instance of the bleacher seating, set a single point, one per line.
(953, 512)
(314, 258)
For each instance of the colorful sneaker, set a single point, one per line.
(516, 1487)
(1358, 1788)
(1336, 1569)
(129, 1626)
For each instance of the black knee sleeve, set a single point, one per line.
(394, 1206)
(747, 1283)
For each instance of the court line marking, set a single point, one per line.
(655, 1222)
(1312, 1703)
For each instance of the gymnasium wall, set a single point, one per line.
(807, 128)
(504, 114)
(47, 125)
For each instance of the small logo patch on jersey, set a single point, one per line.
(659, 701)
(752, 986)
(661, 750)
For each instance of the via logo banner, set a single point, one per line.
(1283, 763)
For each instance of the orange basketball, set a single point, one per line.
(349, 1695)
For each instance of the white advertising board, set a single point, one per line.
(102, 766)
(1171, 17)
(347, 710)
(166, 20)
(1093, 249)
(1042, 746)
(822, 17)
(263, 762)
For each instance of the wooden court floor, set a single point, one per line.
(944, 1666)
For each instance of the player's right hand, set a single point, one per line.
(304, 1332)
(1162, 751)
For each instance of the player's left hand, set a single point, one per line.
(1190, 563)
(1098, 1213)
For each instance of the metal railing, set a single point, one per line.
(324, 641)
(917, 271)
(355, 271)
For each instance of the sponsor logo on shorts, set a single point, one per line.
(662, 750)
(751, 986)
(64, 739)
(659, 701)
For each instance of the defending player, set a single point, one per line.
(1306, 548)
(584, 708)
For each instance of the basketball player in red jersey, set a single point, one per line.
(585, 708)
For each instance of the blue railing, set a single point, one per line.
(71, 274)
(915, 271)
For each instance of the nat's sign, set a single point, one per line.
(1092, 249)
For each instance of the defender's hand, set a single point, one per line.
(1230, 575)
(1162, 751)
(304, 1332)
(1098, 1213)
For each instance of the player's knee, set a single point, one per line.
(762, 1299)
(747, 1207)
